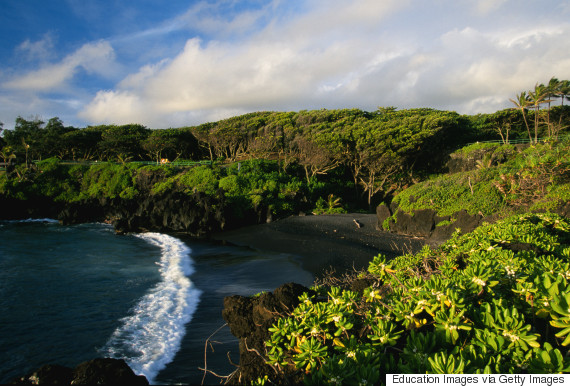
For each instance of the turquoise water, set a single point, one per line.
(73, 293)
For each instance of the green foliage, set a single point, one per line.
(202, 178)
(483, 302)
(108, 180)
(473, 191)
(332, 205)
(536, 178)
(557, 194)
(49, 178)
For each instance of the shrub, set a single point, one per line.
(108, 180)
(447, 194)
(332, 205)
(483, 302)
(201, 178)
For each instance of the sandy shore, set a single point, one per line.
(323, 241)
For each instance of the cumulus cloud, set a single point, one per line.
(285, 66)
(340, 54)
(95, 58)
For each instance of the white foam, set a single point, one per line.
(32, 220)
(150, 337)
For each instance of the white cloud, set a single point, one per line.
(95, 58)
(118, 107)
(41, 50)
(280, 67)
(362, 53)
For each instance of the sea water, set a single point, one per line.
(72, 293)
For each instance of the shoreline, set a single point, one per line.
(324, 240)
(332, 240)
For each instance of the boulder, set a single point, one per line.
(106, 371)
(249, 319)
(382, 213)
(418, 223)
(100, 371)
(47, 375)
(424, 222)
(466, 222)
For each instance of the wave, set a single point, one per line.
(150, 337)
(32, 220)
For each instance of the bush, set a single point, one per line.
(483, 302)
(332, 205)
(108, 180)
(473, 191)
(534, 178)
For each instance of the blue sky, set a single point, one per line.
(178, 63)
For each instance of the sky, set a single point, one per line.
(182, 63)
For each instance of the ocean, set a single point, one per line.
(73, 293)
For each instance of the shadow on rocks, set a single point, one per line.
(100, 371)
(249, 319)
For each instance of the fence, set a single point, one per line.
(175, 163)
(522, 141)
(172, 164)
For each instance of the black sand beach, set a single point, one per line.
(324, 241)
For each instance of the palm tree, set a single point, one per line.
(552, 91)
(7, 154)
(564, 90)
(536, 98)
(522, 102)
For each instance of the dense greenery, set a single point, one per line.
(250, 185)
(506, 180)
(493, 301)
(381, 152)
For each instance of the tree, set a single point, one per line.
(170, 143)
(7, 154)
(564, 91)
(25, 139)
(377, 171)
(82, 144)
(315, 159)
(522, 102)
(53, 139)
(123, 142)
(552, 90)
(54, 124)
(537, 97)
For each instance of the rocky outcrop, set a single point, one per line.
(37, 207)
(426, 222)
(101, 371)
(196, 214)
(249, 319)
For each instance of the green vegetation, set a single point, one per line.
(369, 155)
(536, 178)
(492, 301)
(379, 152)
(447, 194)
